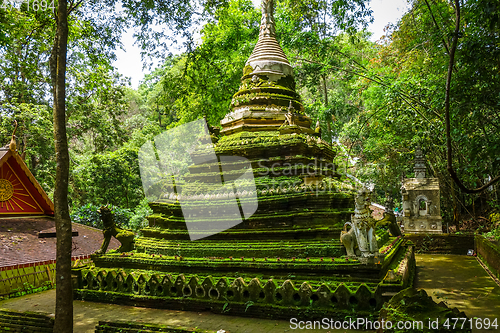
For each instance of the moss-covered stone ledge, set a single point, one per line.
(136, 327)
(268, 194)
(254, 299)
(272, 291)
(260, 220)
(442, 244)
(270, 144)
(244, 250)
(489, 253)
(401, 271)
(267, 266)
(35, 322)
(392, 251)
(246, 234)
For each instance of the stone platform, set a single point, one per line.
(245, 287)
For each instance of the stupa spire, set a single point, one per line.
(267, 91)
(268, 56)
(419, 167)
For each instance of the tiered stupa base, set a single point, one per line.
(285, 260)
(261, 287)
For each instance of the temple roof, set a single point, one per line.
(20, 193)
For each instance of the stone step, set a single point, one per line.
(12, 321)
(286, 249)
(271, 234)
(309, 268)
(134, 327)
(206, 221)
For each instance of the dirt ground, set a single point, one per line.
(19, 242)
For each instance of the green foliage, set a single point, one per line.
(27, 289)
(88, 215)
(378, 100)
(201, 82)
(95, 103)
(404, 95)
(23, 77)
(138, 219)
(95, 93)
(495, 227)
(27, 37)
(34, 138)
(129, 219)
(111, 177)
(122, 216)
(321, 54)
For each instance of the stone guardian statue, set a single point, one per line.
(362, 228)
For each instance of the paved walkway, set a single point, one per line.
(457, 280)
(87, 314)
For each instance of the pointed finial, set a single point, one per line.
(419, 167)
(267, 57)
(267, 26)
(267, 95)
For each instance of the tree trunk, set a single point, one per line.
(456, 213)
(64, 288)
(329, 117)
(159, 114)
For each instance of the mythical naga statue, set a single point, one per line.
(125, 237)
(362, 231)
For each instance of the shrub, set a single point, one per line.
(138, 219)
(88, 215)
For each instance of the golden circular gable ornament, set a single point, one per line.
(6, 190)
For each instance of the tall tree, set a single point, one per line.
(438, 67)
(315, 34)
(64, 289)
(202, 81)
(451, 65)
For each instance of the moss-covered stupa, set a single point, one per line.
(284, 259)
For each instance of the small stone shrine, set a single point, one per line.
(421, 200)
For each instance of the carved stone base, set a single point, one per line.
(372, 258)
(423, 226)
